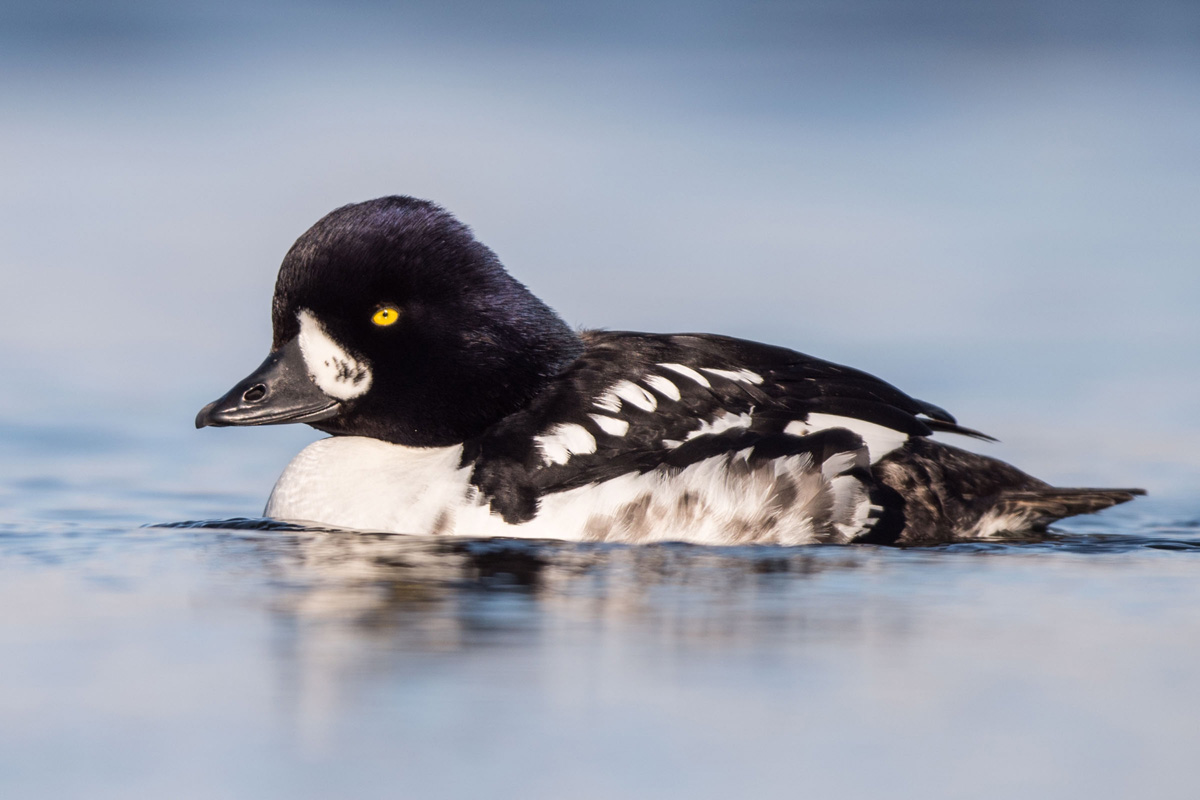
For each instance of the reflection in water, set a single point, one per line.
(356, 609)
(441, 594)
(325, 663)
(386, 581)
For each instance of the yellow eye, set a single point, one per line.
(386, 316)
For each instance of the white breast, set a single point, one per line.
(356, 482)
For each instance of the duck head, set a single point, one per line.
(392, 321)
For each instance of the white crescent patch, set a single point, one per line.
(334, 371)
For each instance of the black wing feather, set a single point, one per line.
(509, 468)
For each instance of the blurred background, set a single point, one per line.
(993, 205)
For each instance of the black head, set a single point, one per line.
(406, 329)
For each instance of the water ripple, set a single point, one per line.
(1181, 536)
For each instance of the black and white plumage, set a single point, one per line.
(459, 403)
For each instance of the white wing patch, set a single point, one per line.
(563, 441)
(663, 386)
(610, 425)
(608, 402)
(879, 439)
(688, 372)
(613, 399)
(628, 391)
(334, 371)
(625, 391)
(740, 376)
(722, 422)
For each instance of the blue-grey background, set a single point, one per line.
(993, 205)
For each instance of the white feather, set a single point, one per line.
(879, 439)
(740, 376)
(563, 441)
(631, 393)
(610, 425)
(688, 372)
(724, 421)
(663, 386)
(994, 523)
(608, 401)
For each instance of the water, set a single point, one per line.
(147, 656)
(991, 205)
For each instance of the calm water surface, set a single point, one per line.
(237, 658)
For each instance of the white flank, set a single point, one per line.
(879, 439)
(563, 441)
(610, 425)
(334, 371)
(688, 372)
(663, 386)
(740, 376)
(365, 484)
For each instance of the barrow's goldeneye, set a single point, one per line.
(459, 403)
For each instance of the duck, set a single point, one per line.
(459, 404)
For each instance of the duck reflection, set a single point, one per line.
(354, 610)
(420, 593)
(437, 593)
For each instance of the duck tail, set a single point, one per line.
(932, 492)
(1038, 507)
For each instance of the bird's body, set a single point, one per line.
(462, 405)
